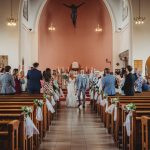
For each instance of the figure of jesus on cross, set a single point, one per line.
(74, 9)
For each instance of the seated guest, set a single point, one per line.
(128, 87)
(145, 86)
(108, 83)
(17, 80)
(7, 81)
(34, 76)
(138, 83)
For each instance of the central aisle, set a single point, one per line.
(77, 130)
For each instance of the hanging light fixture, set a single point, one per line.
(51, 28)
(98, 29)
(139, 20)
(12, 22)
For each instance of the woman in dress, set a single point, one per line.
(8, 83)
(71, 99)
(18, 81)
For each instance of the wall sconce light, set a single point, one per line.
(98, 29)
(51, 28)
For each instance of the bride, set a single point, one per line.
(71, 99)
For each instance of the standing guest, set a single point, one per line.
(48, 84)
(17, 81)
(108, 83)
(138, 83)
(128, 87)
(34, 76)
(1, 73)
(7, 81)
(135, 74)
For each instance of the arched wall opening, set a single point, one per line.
(147, 67)
(67, 44)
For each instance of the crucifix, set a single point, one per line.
(74, 9)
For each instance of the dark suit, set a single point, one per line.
(34, 76)
(128, 87)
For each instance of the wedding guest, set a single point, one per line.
(135, 74)
(34, 76)
(48, 84)
(139, 83)
(145, 86)
(7, 81)
(1, 73)
(17, 81)
(108, 83)
(128, 87)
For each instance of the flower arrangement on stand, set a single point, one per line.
(115, 100)
(30, 128)
(39, 113)
(130, 107)
(27, 111)
(38, 103)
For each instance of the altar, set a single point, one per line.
(75, 66)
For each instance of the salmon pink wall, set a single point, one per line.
(67, 44)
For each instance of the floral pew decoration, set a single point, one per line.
(30, 128)
(39, 113)
(113, 107)
(57, 92)
(104, 100)
(50, 104)
(92, 89)
(129, 109)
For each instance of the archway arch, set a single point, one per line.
(114, 19)
(147, 67)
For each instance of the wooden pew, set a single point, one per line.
(12, 111)
(18, 106)
(9, 135)
(135, 139)
(117, 127)
(46, 114)
(145, 132)
(20, 118)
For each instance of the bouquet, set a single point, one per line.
(38, 103)
(65, 77)
(27, 110)
(130, 107)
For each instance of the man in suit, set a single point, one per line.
(108, 83)
(34, 76)
(82, 85)
(128, 87)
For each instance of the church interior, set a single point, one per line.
(74, 74)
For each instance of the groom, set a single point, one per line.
(82, 85)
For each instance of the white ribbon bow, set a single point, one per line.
(111, 108)
(30, 127)
(39, 114)
(128, 122)
(49, 106)
(53, 101)
(56, 97)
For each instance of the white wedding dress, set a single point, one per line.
(71, 99)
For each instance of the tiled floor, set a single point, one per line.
(77, 130)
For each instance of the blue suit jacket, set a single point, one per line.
(34, 76)
(82, 82)
(108, 83)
